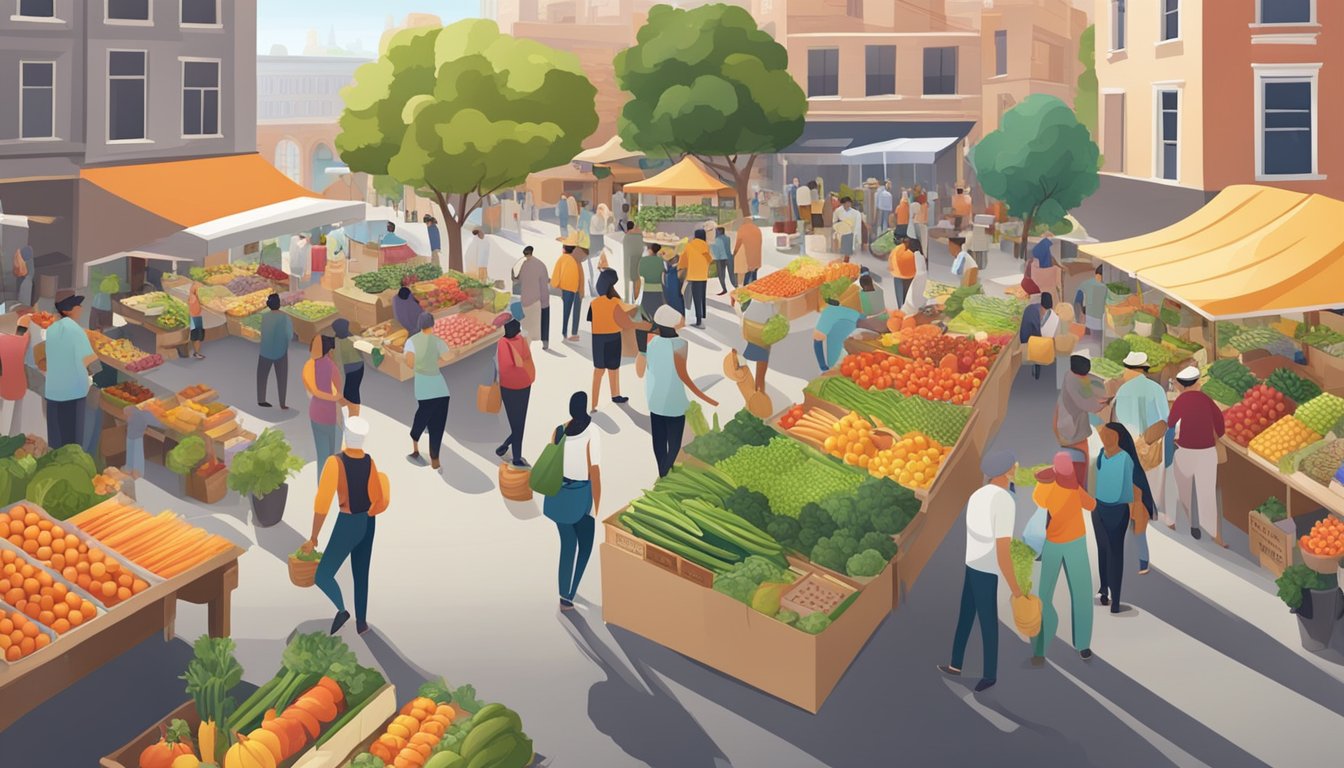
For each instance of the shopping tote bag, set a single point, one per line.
(548, 473)
(1034, 534)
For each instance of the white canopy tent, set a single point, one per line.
(236, 230)
(924, 151)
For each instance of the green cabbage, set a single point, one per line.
(63, 490)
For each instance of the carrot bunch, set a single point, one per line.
(163, 543)
(411, 736)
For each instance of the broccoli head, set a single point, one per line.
(880, 542)
(737, 586)
(784, 530)
(813, 623)
(786, 616)
(888, 506)
(760, 569)
(867, 563)
(835, 550)
(750, 506)
(844, 511)
(814, 517)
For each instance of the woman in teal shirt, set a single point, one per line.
(1118, 476)
(833, 327)
(666, 380)
(427, 354)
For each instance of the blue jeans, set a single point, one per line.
(1109, 521)
(819, 347)
(1141, 546)
(979, 602)
(569, 510)
(135, 455)
(570, 304)
(352, 538)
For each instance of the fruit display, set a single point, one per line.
(19, 635)
(461, 330)
(1326, 538)
(221, 274)
(1322, 465)
(438, 293)
(172, 314)
(879, 370)
(792, 416)
(153, 360)
(248, 304)
(699, 531)
(92, 569)
(1321, 413)
(394, 276)
(988, 314)
(42, 319)
(34, 591)
(1282, 438)
(245, 284)
(712, 444)
(290, 298)
(162, 544)
(780, 284)
(1293, 386)
(1261, 407)
(128, 392)
(195, 391)
(272, 273)
(119, 350)
(913, 461)
(311, 310)
(933, 346)
(789, 474)
(410, 737)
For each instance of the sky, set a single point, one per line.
(286, 22)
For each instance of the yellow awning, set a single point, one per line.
(1250, 251)
(610, 152)
(684, 178)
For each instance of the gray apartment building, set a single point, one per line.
(126, 123)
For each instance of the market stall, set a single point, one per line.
(144, 565)
(685, 179)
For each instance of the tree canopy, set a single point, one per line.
(464, 111)
(1041, 162)
(709, 83)
(1085, 97)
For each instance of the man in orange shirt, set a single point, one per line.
(747, 252)
(903, 216)
(697, 258)
(961, 208)
(567, 277)
(902, 265)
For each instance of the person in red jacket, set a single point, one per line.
(1198, 425)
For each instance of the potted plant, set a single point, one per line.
(261, 471)
(1315, 598)
(184, 457)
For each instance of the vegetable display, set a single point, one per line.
(90, 568)
(171, 746)
(211, 675)
(1106, 368)
(247, 284)
(1321, 413)
(879, 370)
(987, 313)
(1233, 374)
(33, 591)
(1282, 438)
(1117, 350)
(461, 330)
(1322, 465)
(1273, 509)
(1220, 392)
(162, 544)
(62, 482)
(1255, 338)
(718, 444)
(394, 276)
(1293, 386)
(184, 457)
(1260, 407)
(933, 346)
(264, 465)
(311, 310)
(941, 421)
(788, 474)
(699, 531)
(174, 315)
(1159, 356)
(442, 728)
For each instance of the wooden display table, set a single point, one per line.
(30, 681)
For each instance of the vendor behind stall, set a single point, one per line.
(406, 310)
(69, 355)
(834, 325)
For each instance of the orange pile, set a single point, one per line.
(1326, 538)
(19, 636)
(781, 283)
(410, 737)
(878, 370)
(33, 591)
(90, 568)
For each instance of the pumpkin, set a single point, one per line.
(171, 745)
(894, 320)
(246, 753)
(186, 761)
(270, 740)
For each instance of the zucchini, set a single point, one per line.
(696, 556)
(672, 533)
(671, 517)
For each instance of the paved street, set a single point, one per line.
(1206, 669)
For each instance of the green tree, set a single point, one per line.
(1085, 98)
(709, 83)
(1041, 162)
(462, 112)
(389, 189)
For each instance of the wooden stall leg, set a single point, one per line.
(169, 618)
(220, 605)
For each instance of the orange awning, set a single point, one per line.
(191, 192)
(684, 178)
(1251, 251)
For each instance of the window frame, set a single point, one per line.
(878, 48)
(1313, 19)
(1000, 36)
(23, 63)
(956, 63)
(148, 21)
(1163, 13)
(217, 24)
(1286, 73)
(107, 95)
(219, 97)
(823, 50)
(1119, 26)
(19, 15)
(1159, 143)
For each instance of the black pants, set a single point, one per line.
(749, 277)
(902, 290)
(979, 602)
(667, 433)
(1109, 523)
(281, 367)
(515, 408)
(725, 273)
(546, 321)
(698, 299)
(65, 422)
(431, 415)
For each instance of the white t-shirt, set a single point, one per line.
(476, 254)
(989, 517)
(577, 452)
(804, 196)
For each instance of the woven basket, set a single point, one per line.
(1027, 614)
(514, 482)
(302, 573)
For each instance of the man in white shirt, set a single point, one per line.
(804, 201)
(300, 257)
(853, 221)
(884, 207)
(979, 245)
(963, 265)
(989, 535)
(476, 254)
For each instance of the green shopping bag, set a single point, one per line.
(548, 473)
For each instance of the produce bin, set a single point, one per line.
(363, 310)
(728, 636)
(804, 303)
(394, 365)
(307, 330)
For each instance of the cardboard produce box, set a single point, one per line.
(363, 310)
(724, 634)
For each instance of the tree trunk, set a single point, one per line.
(1026, 232)
(454, 232)
(742, 184)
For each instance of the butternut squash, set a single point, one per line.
(246, 753)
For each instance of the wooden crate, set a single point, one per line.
(363, 310)
(650, 553)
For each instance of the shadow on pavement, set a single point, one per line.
(398, 670)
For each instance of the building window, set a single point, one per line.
(200, 98)
(854, 9)
(1168, 158)
(204, 12)
(1171, 20)
(1118, 22)
(125, 95)
(37, 103)
(287, 160)
(1000, 52)
(36, 9)
(1287, 11)
(1287, 135)
(880, 63)
(128, 10)
(823, 72)
(940, 71)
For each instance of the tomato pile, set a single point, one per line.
(782, 284)
(877, 370)
(461, 330)
(1261, 406)
(1326, 538)
(969, 353)
(791, 416)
